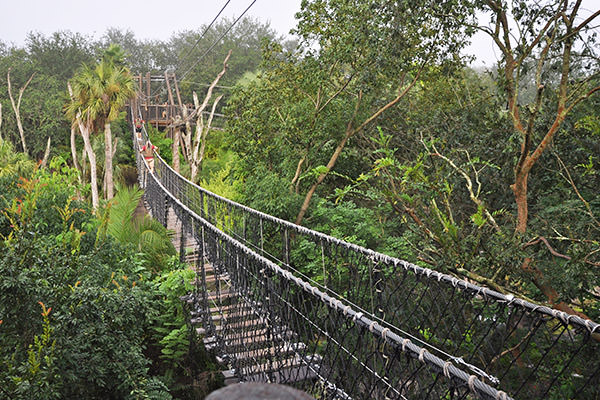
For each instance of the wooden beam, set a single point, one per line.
(170, 93)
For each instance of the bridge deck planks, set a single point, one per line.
(262, 353)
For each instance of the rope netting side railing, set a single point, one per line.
(317, 342)
(523, 349)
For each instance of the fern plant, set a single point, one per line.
(147, 235)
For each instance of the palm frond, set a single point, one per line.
(120, 224)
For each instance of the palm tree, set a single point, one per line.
(116, 88)
(12, 162)
(83, 114)
(99, 93)
(148, 235)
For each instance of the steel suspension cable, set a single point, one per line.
(202, 35)
(217, 41)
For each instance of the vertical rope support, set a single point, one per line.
(200, 261)
(244, 228)
(323, 263)
(166, 205)
(182, 219)
(378, 285)
(286, 246)
(262, 239)
(268, 293)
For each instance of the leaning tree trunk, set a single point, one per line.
(330, 165)
(85, 133)
(17, 107)
(74, 154)
(108, 163)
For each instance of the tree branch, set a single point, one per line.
(570, 180)
(469, 185)
(548, 246)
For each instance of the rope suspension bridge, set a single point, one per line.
(371, 326)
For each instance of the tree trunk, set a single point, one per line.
(108, 162)
(330, 165)
(175, 147)
(74, 154)
(193, 171)
(85, 133)
(519, 188)
(296, 178)
(17, 107)
(46, 154)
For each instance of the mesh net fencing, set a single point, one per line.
(282, 303)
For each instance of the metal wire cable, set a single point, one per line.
(202, 35)
(217, 41)
(518, 341)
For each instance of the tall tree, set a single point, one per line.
(83, 116)
(552, 38)
(100, 93)
(115, 88)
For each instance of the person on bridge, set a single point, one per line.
(139, 123)
(148, 152)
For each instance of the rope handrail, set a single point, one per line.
(358, 318)
(427, 272)
(507, 344)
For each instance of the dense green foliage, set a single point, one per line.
(370, 127)
(89, 307)
(432, 178)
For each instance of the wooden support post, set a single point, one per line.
(177, 91)
(147, 89)
(169, 92)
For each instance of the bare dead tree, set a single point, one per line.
(46, 153)
(17, 106)
(194, 144)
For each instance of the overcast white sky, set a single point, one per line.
(158, 19)
(154, 19)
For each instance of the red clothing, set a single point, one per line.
(148, 152)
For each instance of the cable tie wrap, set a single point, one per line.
(447, 365)
(357, 316)
(472, 379)
(500, 395)
(421, 354)
(372, 326)
(384, 333)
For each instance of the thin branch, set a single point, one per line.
(548, 246)
(469, 184)
(515, 347)
(336, 94)
(583, 97)
(570, 180)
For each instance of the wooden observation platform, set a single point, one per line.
(151, 102)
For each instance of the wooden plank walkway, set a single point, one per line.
(235, 332)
